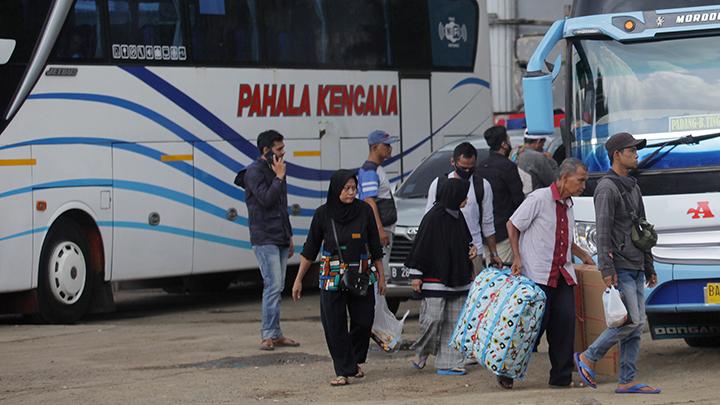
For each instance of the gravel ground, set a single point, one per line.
(166, 349)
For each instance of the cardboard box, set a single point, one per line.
(590, 317)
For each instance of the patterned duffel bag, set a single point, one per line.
(500, 322)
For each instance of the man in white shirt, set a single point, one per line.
(478, 214)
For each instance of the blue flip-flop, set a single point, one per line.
(581, 366)
(637, 389)
(451, 371)
(420, 365)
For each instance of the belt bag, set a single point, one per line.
(387, 210)
(643, 234)
(354, 279)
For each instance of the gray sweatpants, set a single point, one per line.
(437, 321)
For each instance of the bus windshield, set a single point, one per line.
(654, 90)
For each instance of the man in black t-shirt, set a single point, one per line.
(502, 174)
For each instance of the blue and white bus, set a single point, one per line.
(124, 122)
(651, 68)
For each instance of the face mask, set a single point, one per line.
(465, 174)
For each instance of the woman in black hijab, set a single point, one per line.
(359, 242)
(441, 263)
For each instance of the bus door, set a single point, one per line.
(304, 194)
(15, 228)
(329, 135)
(415, 119)
(153, 210)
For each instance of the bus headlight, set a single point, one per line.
(585, 236)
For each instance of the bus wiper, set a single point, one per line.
(651, 159)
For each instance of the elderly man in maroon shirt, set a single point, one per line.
(541, 235)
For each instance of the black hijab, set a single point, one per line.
(339, 211)
(441, 246)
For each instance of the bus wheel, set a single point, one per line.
(703, 341)
(65, 277)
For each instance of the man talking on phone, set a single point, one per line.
(270, 230)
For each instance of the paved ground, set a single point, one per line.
(167, 349)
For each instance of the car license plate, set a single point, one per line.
(712, 293)
(399, 273)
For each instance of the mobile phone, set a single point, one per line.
(270, 157)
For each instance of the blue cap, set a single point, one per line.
(379, 136)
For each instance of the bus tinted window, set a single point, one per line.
(147, 30)
(294, 32)
(22, 21)
(81, 36)
(409, 34)
(224, 31)
(453, 29)
(358, 33)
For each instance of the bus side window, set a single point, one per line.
(294, 32)
(147, 24)
(358, 34)
(224, 31)
(81, 37)
(410, 34)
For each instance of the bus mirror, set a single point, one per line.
(537, 90)
(7, 46)
(556, 67)
(537, 85)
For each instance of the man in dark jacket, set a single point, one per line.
(270, 230)
(503, 176)
(622, 264)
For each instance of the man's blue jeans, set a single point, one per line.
(631, 284)
(273, 262)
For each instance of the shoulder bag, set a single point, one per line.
(355, 281)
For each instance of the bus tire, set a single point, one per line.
(703, 341)
(65, 275)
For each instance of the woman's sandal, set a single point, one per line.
(359, 374)
(451, 371)
(419, 365)
(339, 381)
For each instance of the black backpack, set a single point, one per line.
(240, 178)
(477, 184)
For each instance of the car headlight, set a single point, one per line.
(585, 233)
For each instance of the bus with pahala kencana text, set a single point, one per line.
(124, 122)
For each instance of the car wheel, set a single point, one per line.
(703, 341)
(65, 276)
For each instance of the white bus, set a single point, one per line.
(124, 122)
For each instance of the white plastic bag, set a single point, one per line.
(386, 329)
(615, 312)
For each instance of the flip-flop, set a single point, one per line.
(419, 365)
(339, 381)
(583, 368)
(359, 374)
(267, 345)
(451, 371)
(287, 342)
(637, 389)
